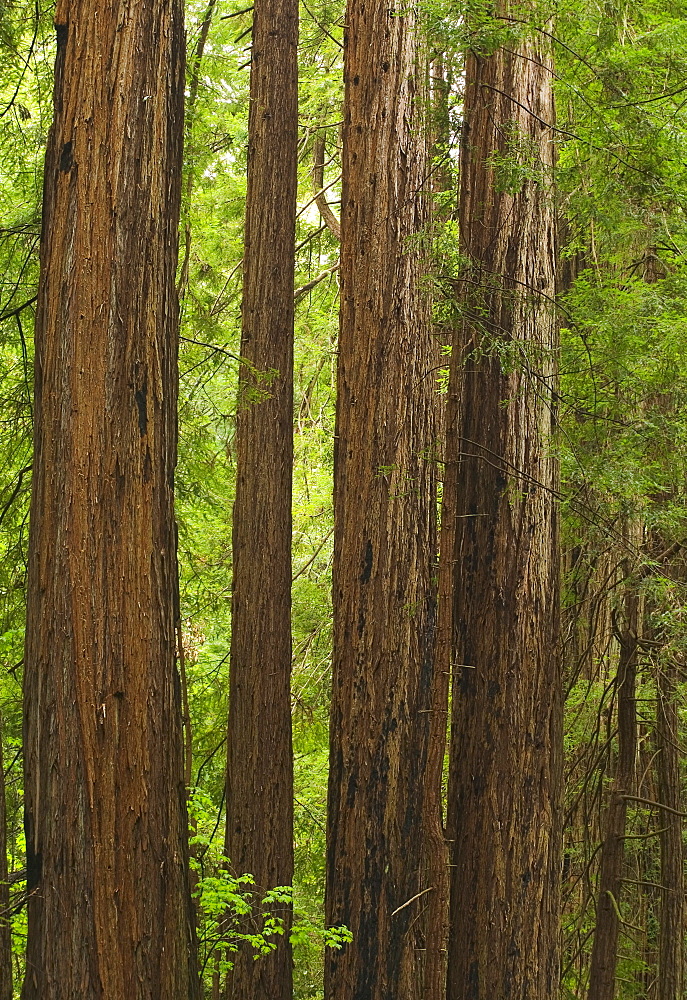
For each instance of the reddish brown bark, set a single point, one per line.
(5, 924)
(500, 536)
(436, 915)
(109, 915)
(605, 947)
(378, 878)
(259, 837)
(671, 946)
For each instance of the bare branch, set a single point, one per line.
(326, 212)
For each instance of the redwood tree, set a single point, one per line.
(671, 945)
(670, 980)
(259, 837)
(109, 912)
(384, 539)
(607, 928)
(499, 537)
(5, 924)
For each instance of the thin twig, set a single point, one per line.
(654, 805)
(304, 289)
(314, 556)
(15, 312)
(411, 900)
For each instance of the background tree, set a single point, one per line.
(671, 944)
(109, 906)
(260, 762)
(605, 947)
(5, 923)
(622, 457)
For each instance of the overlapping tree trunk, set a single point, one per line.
(259, 836)
(384, 545)
(500, 537)
(109, 912)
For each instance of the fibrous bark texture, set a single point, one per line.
(436, 853)
(671, 942)
(5, 925)
(384, 543)
(109, 913)
(260, 769)
(607, 928)
(499, 534)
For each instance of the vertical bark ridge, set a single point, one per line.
(671, 941)
(436, 915)
(384, 505)
(259, 837)
(5, 924)
(607, 930)
(500, 536)
(109, 913)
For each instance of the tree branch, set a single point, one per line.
(304, 289)
(326, 212)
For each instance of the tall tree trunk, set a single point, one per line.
(500, 534)
(5, 924)
(671, 945)
(109, 913)
(434, 837)
(605, 947)
(259, 835)
(384, 508)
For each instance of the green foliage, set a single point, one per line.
(233, 913)
(624, 384)
(517, 162)
(621, 406)
(213, 226)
